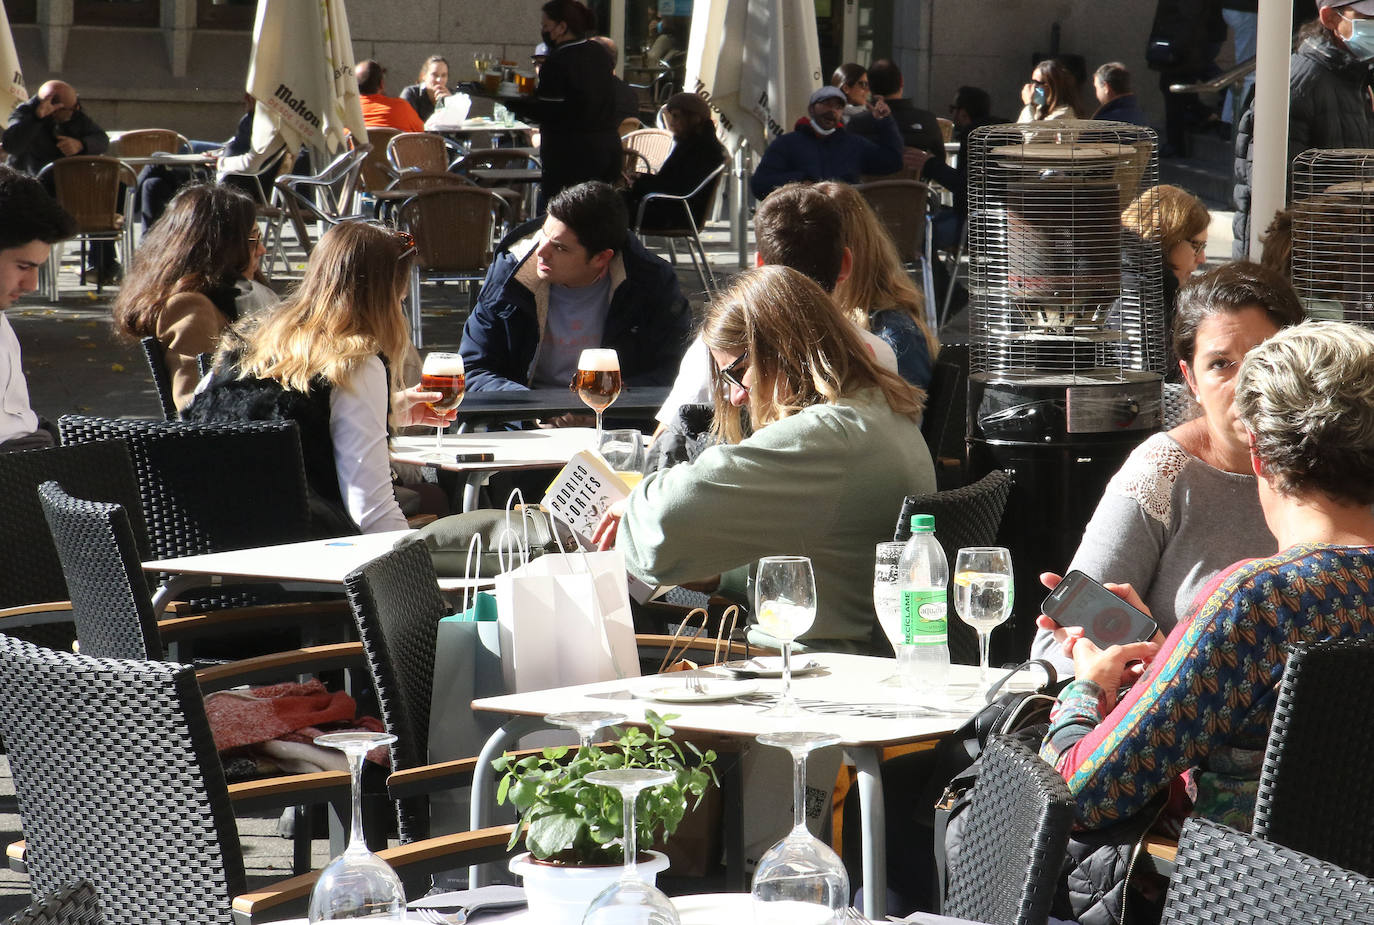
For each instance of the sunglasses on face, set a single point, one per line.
(734, 373)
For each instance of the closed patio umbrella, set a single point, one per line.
(9, 60)
(301, 75)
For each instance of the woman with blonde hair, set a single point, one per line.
(878, 295)
(329, 359)
(834, 447)
(1051, 94)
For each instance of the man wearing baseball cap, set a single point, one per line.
(1329, 96)
(819, 148)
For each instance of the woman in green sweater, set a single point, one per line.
(834, 448)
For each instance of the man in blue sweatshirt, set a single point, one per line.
(819, 148)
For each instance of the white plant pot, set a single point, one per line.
(559, 894)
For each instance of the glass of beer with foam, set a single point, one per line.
(443, 373)
(597, 381)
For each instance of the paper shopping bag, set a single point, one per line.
(565, 619)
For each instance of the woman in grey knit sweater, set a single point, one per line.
(1184, 505)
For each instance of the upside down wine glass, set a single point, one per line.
(585, 723)
(357, 884)
(785, 607)
(801, 879)
(630, 900)
(443, 373)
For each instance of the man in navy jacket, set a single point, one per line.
(819, 148)
(582, 280)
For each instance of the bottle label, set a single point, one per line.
(924, 616)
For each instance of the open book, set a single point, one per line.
(580, 494)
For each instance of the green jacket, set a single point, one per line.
(826, 483)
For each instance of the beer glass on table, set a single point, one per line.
(597, 381)
(443, 373)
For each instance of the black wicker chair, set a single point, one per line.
(119, 783)
(968, 516)
(1014, 838)
(75, 904)
(1226, 876)
(156, 355)
(943, 420)
(1315, 795)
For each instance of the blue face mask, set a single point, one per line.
(1361, 41)
(1038, 96)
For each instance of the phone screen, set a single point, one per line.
(1106, 619)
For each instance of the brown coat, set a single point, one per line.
(188, 325)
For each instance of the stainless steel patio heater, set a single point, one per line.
(1333, 233)
(1066, 330)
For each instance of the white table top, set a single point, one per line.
(172, 160)
(848, 689)
(321, 561)
(478, 124)
(511, 449)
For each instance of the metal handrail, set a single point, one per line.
(1234, 76)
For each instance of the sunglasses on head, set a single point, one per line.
(404, 238)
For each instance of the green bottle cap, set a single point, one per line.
(922, 523)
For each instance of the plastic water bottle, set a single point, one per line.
(923, 586)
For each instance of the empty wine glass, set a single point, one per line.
(887, 599)
(597, 381)
(623, 451)
(630, 900)
(800, 879)
(585, 723)
(443, 373)
(983, 595)
(357, 884)
(785, 607)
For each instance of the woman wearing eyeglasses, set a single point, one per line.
(193, 276)
(833, 450)
(1051, 94)
(852, 79)
(329, 359)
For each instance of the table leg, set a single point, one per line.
(175, 587)
(868, 764)
(484, 780)
(472, 487)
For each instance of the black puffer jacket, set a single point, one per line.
(1329, 107)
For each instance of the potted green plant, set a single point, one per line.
(572, 827)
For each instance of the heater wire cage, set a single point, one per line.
(1060, 286)
(1333, 233)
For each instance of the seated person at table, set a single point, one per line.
(834, 449)
(192, 278)
(798, 227)
(1198, 719)
(329, 358)
(626, 100)
(820, 148)
(695, 153)
(919, 127)
(582, 280)
(380, 110)
(878, 295)
(31, 221)
(1184, 504)
(427, 95)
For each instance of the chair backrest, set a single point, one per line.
(453, 227)
(111, 607)
(74, 904)
(653, 143)
(497, 158)
(418, 150)
(694, 204)
(397, 606)
(323, 196)
(376, 173)
(946, 128)
(1014, 838)
(628, 125)
(147, 141)
(30, 569)
(119, 783)
(967, 516)
(1179, 405)
(430, 179)
(901, 207)
(88, 188)
(156, 355)
(209, 487)
(1226, 876)
(1314, 792)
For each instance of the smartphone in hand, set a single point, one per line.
(1106, 619)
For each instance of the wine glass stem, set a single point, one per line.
(983, 657)
(798, 791)
(786, 670)
(439, 437)
(598, 430)
(631, 848)
(356, 840)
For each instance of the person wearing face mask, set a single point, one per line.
(819, 148)
(1332, 77)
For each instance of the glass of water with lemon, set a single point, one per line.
(785, 607)
(983, 595)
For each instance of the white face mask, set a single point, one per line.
(821, 131)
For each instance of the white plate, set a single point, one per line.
(770, 666)
(712, 689)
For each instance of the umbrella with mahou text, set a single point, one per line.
(9, 60)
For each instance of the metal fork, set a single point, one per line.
(851, 914)
(435, 917)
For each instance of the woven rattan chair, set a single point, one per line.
(1226, 876)
(377, 172)
(131, 795)
(901, 207)
(89, 188)
(75, 904)
(1014, 838)
(1179, 405)
(156, 355)
(427, 151)
(693, 208)
(654, 143)
(1314, 793)
(144, 142)
(967, 516)
(454, 230)
(499, 159)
